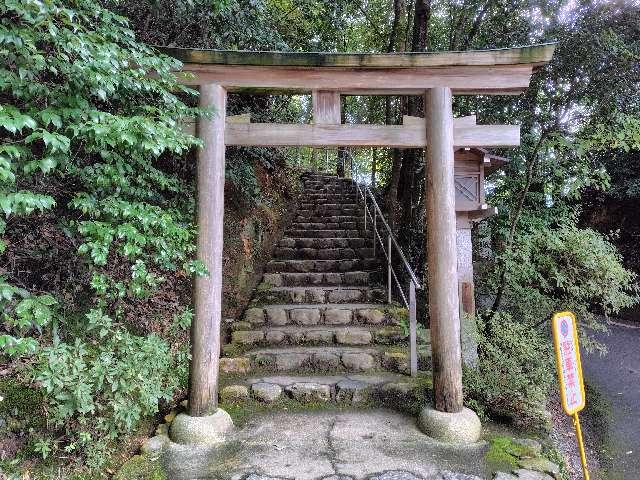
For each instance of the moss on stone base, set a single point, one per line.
(503, 453)
(141, 467)
(398, 313)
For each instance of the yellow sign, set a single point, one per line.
(565, 339)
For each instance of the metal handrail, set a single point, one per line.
(414, 284)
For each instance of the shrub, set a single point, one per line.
(99, 389)
(87, 131)
(514, 371)
(83, 129)
(566, 268)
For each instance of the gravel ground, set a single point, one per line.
(564, 439)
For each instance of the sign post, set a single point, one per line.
(565, 339)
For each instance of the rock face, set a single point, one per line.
(458, 476)
(353, 337)
(524, 474)
(235, 365)
(234, 393)
(266, 392)
(504, 476)
(352, 392)
(396, 475)
(540, 465)
(154, 445)
(358, 361)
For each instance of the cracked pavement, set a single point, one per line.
(329, 445)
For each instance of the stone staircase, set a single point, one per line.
(318, 328)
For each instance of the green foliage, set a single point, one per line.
(504, 453)
(80, 110)
(85, 129)
(514, 372)
(183, 319)
(243, 175)
(22, 401)
(23, 312)
(43, 447)
(141, 467)
(552, 269)
(100, 389)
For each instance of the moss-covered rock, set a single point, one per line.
(141, 467)
(21, 406)
(398, 313)
(504, 452)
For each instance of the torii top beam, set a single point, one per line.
(499, 71)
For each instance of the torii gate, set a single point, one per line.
(437, 76)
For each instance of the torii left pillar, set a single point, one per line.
(206, 424)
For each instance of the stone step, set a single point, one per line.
(329, 191)
(331, 359)
(352, 279)
(313, 181)
(267, 295)
(280, 315)
(321, 266)
(323, 176)
(327, 180)
(311, 205)
(325, 219)
(325, 225)
(324, 211)
(325, 335)
(316, 233)
(283, 253)
(322, 197)
(353, 389)
(304, 242)
(322, 184)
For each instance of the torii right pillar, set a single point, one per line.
(447, 419)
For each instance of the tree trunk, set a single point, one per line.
(399, 14)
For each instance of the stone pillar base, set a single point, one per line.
(459, 428)
(206, 431)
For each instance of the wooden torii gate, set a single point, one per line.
(437, 76)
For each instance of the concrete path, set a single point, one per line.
(617, 375)
(374, 444)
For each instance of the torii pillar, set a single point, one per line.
(448, 419)
(206, 424)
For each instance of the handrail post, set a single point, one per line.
(389, 268)
(375, 230)
(365, 210)
(413, 330)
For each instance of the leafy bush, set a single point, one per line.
(85, 130)
(566, 268)
(98, 390)
(30, 312)
(82, 116)
(514, 371)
